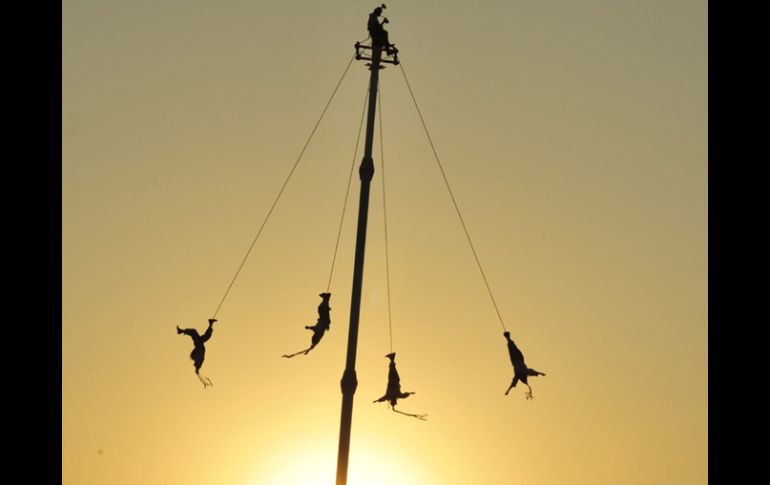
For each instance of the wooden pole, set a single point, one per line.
(349, 381)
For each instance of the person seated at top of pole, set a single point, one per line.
(378, 34)
(199, 351)
(321, 326)
(393, 392)
(520, 369)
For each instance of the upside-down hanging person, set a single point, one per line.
(199, 351)
(520, 370)
(321, 326)
(393, 392)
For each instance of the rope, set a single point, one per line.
(451, 194)
(347, 191)
(385, 219)
(238, 271)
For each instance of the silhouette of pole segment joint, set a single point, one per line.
(380, 41)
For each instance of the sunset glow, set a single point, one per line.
(574, 135)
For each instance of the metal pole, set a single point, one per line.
(349, 381)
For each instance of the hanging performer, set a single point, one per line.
(520, 369)
(321, 326)
(199, 351)
(378, 34)
(393, 392)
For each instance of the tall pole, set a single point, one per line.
(349, 381)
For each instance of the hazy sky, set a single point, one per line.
(575, 137)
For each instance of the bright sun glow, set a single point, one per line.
(311, 465)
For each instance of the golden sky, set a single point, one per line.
(575, 138)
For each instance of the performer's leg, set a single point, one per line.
(207, 334)
(190, 332)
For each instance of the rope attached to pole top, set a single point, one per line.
(280, 192)
(347, 191)
(385, 220)
(451, 194)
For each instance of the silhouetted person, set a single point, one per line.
(393, 392)
(520, 370)
(199, 351)
(321, 326)
(323, 310)
(377, 32)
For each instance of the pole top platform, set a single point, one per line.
(388, 59)
(379, 39)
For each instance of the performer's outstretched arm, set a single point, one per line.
(513, 384)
